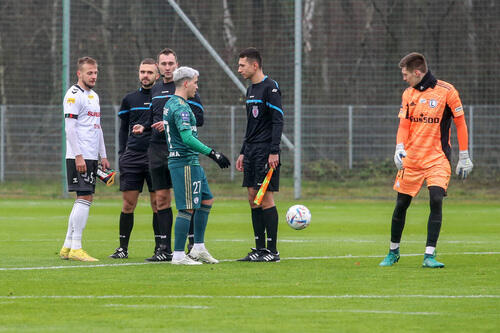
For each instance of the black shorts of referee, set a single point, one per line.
(158, 166)
(134, 170)
(255, 167)
(81, 183)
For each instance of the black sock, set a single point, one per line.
(126, 225)
(156, 230)
(165, 218)
(259, 228)
(270, 217)
(436, 195)
(191, 231)
(399, 216)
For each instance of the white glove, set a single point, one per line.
(399, 154)
(464, 166)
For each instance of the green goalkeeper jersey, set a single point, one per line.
(178, 117)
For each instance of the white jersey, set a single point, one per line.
(83, 106)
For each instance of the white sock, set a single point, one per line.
(79, 221)
(430, 249)
(394, 246)
(69, 233)
(199, 246)
(178, 255)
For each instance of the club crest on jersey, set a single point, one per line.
(433, 103)
(255, 111)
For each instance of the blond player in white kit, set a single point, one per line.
(84, 146)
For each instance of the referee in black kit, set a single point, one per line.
(133, 162)
(261, 151)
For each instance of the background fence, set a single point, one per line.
(350, 52)
(30, 145)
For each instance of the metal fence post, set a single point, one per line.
(349, 140)
(117, 131)
(2, 143)
(471, 131)
(232, 143)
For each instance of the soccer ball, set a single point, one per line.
(298, 217)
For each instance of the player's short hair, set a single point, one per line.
(252, 54)
(148, 61)
(85, 60)
(414, 61)
(184, 73)
(166, 51)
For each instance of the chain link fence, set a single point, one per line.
(351, 84)
(347, 135)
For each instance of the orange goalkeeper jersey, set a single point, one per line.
(430, 107)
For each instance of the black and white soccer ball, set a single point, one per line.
(298, 217)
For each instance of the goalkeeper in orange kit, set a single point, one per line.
(423, 150)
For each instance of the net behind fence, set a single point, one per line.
(350, 54)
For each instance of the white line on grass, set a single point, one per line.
(247, 296)
(380, 312)
(158, 306)
(305, 240)
(348, 256)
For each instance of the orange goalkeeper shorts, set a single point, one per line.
(410, 180)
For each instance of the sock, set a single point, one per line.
(178, 255)
(191, 231)
(156, 230)
(259, 228)
(199, 246)
(181, 229)
(126, 225)
(270, 217)
(399, 216)
(394, 246)
(430, 249)
(436, 195)
(200, 223)
(69, 233)
(165, 218)
(79, 221)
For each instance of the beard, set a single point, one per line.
(88, 84)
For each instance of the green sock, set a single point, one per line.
(200, 223)
(181, 229)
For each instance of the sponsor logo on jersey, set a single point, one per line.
(74, 91)
(412, 103)
(252, 96)
(194, 129)
(174, 154)
(195, 200)
(433, 103)
(255, 111)
(91, 96)
(165, 92)
(459, 109)
(424, 119)
(70, 100)
(423, 100)
(93, 114)
(274, 90)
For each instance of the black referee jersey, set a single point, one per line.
(264, 114)
(161, 92)
(134, 110)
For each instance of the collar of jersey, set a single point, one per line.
(428, 81)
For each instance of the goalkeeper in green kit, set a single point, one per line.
(191, 191)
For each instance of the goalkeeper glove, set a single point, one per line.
(464, 166)
(399, 154)
(219, 158)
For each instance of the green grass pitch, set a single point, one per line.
(328, 279)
